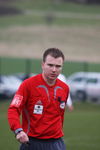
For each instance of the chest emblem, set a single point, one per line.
(62, 105)
(38, 108)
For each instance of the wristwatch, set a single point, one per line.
(18, 131)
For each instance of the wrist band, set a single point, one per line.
(18, 131)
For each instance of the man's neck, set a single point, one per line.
(48, 81)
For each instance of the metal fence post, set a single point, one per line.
(0, 69)
(85, 66)
(28, 68)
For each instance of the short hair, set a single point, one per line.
(54, 52)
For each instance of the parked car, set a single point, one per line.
(23, 76)
(8, 86)
(85, 86)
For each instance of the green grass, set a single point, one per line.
(32, 19)
(81, 128)
(50, 5)
(6, 136)
(46, 6)
(21, 20)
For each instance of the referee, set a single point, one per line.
(41, 100)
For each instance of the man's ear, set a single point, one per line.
(42, 64)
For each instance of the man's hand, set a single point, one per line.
(22, 137)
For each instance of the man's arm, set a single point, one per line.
(14, 112)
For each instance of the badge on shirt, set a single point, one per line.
(38, 109)
(17, 100)
(62, 105)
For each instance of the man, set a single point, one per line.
(42, 100)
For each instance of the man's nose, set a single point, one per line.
(54, 68)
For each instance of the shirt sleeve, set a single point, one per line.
(16, 107)
(69, 101)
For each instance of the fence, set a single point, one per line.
(15, 65)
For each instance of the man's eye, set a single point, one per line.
(58, 66)
(50, 65)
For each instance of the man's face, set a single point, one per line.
(52, 67)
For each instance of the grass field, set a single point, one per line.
(81, 127)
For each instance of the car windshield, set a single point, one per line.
(92, 80)
(79, 79)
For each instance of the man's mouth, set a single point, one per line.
(53, 75)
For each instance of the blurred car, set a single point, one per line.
(23, 76)
(8, 86)
(85, 86)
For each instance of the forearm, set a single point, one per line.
(14, 118)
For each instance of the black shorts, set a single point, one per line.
(44, 144)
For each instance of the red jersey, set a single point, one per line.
(42, 108)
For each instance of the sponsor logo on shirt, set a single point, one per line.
(39, 102)
(38, 109)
